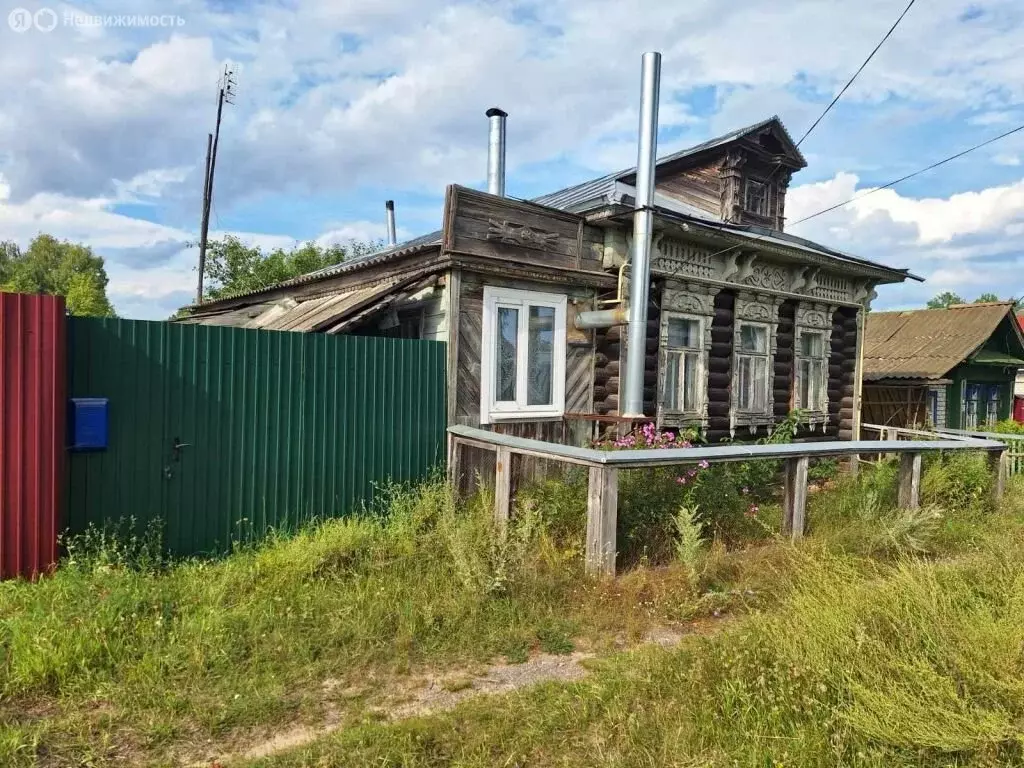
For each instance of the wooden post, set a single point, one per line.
(602, 516)
(502, 487)
(910, 481)
(999, 461)
(795, 496)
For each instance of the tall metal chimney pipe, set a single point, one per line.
(643, 223)
(496, 152)
(389, 206)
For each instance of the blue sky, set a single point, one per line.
(342, 105)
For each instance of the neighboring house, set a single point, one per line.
(951, 367)
(746, 322)
(1019, 388)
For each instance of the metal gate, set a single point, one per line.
(225, 433)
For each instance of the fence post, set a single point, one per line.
(999, 462)
(795, 496)
(602, 516)
(910, 481)
(502, 487)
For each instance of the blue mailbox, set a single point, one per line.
(88, 423)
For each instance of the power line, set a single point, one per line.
(828, 109)
(857, 73)
(912, 175)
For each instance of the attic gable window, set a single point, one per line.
(522, 355)
(755, 199)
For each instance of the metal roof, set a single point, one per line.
(927, 343)
(407, 248)
(601, 189)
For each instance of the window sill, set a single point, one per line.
(502, 416)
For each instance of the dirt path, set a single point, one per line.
(440, 692)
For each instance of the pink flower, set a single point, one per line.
(681, 480)
(703, 464)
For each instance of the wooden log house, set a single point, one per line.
(745, 321)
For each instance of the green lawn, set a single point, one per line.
(887, 638)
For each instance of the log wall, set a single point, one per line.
(720, 367)
(842, 373)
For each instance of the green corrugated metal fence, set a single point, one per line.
(272, 428)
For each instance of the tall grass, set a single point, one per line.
(121, 657)
(910, 664)
(121, 648)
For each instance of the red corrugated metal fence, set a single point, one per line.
(33, 383)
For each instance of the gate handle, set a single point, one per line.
(176, 448)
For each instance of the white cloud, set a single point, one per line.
(967, 242)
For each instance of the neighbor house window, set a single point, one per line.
(811, 371)
(752, 381)
(522, 355)
(981, 405)
(756, 197)
(684, 366)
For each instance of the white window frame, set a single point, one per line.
(492, 410)
(696, 413)
(769, 368)
(822, 406)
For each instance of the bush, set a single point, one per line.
(958, 481)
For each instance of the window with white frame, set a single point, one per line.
(811, 371)
(684, 365)
(752, 369)
(522, 355)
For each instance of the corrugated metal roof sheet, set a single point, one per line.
(377, 257)
(604, 187)
(321, 312)
(927, 343)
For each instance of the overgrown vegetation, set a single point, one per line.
(910, 664)
(886, 638)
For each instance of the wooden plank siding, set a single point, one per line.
(700, 187)
(579, 382)
(514, 231)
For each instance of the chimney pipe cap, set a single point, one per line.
(496, 112)
(389, 205)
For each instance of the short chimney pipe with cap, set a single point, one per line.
(643, 224)
(389, 207)
(496, 152)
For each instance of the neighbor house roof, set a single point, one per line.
(927, 343)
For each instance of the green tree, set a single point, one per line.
(232, 267)
(986, 298)
(60, 268)
(945, 300)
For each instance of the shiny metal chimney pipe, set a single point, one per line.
(496, 152)
(643, 223)
(389, 206)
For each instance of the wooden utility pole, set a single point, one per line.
(226, 94)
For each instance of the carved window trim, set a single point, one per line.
(813, 318)
(691, 301)
(758, 310)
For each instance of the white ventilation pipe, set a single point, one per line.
(643, 223)
(389, 207)
(496, 152)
